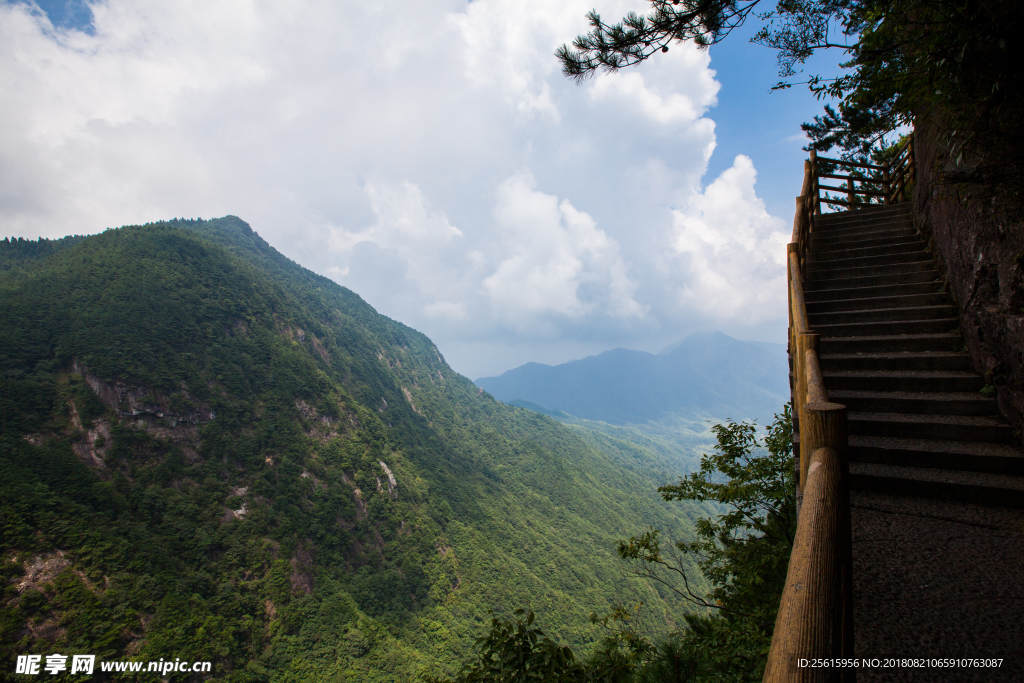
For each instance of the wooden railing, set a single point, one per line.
(864, 184)
(815, 620)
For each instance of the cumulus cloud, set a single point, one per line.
(734, 252)
(556, 262)
(416, 239)
(506, 47)
(674, 104)
(429, 156)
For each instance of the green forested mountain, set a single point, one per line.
(209, 452)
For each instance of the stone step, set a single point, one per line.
(875, 238)
(866, 212)
(916, 402)
(891, 351)
(914, 277)
(878, 302)
(881, 314)
(862, 221)
(981, 488)
(881, 362)
(855, 251)
(941, 341)
(888, 327)
(926, 448)
(864, 231)
(969, 456)
(839, 273)
(873, 292)
(902, 380)
(940, 427)
(866, 261)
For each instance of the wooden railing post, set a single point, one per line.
(799, 304)
(798, 230)
(790, 249)
(815, 616)
(814, 174)
(791, 254)
(801, 397)
(810, 392)
(886, 188)
(911, 165)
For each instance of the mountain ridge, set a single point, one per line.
(199, 436)
(704, 374)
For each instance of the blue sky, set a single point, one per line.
(66, 14)
(445, 171)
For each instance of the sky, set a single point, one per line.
(429, 156)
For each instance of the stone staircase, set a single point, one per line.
(891, 351)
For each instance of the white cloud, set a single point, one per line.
(453, 310)
(733, 250)
(629, 88)
(507, 46)
(429, 156)
(663, 105)
(414, 234)
(403, 220)
(556, 262)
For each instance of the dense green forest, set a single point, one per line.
(209, 452)
(743, 551)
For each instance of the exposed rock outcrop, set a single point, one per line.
(408, 397)
(303, 564)
(392, 483)
(135, 402)
(94, 446)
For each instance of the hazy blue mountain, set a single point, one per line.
(708, 374)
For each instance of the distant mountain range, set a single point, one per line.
(708, 374)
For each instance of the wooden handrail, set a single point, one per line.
(865, 181)
(815, 619)
(799, 304)
(874, 193)
(841, 162)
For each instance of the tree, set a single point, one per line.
(517, 651)
(743, 552)
(952, 61)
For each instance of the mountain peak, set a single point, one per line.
(695, 338)
(706, 373)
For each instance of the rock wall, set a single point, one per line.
(139, 401)
(981, 254)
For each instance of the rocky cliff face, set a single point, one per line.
(140, 402)
(981, 250)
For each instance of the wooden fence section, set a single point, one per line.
(864, 184)
(815, 620)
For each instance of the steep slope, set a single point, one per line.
(209, 452)
(706, 374)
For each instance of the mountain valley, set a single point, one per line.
(209, 452)
(665, 402)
